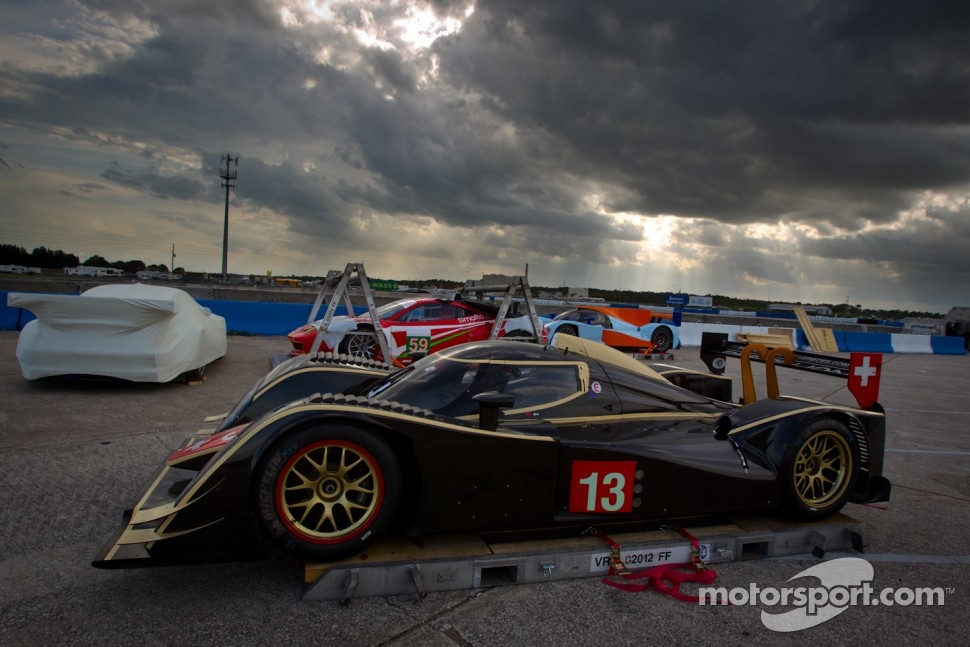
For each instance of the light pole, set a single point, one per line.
(228, 174)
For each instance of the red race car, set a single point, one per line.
(422, 325)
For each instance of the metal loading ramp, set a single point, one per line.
(336, 288)
(399, 566)
(515, 290)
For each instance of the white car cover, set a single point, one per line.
(136, 332)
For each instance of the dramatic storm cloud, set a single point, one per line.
(801, 151)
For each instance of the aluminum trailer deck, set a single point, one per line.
(400, 566)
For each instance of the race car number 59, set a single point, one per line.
(418, 344)
(602, 486)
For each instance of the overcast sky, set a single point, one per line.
(789, 151)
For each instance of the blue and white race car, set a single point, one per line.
(624, 328)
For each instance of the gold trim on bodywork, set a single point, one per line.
(677, 370)
(602, 353)
(630, 417)
(253, 429)
(818, 406)
(147, 536)
(145, 515)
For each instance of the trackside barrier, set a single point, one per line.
(690, 337)
(13, 318)
(913, 343)
(948, 345)
(257, 318)
(863, 342)
(242, 317)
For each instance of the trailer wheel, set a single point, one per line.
(328, 492)
(819, 469)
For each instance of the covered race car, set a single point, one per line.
(141, 333)
(410, 325)
(626, 328)
(492, 437)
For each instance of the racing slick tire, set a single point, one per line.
(359, 345)
(819, 469)
(326, 493)
(662, 339)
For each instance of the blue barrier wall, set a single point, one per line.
(258, 318)
(13, 318)
(948, 345)
(867, 342)
(242, 317)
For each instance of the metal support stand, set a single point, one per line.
(516, 290)
(339, 282)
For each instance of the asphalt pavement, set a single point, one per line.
(74, 454)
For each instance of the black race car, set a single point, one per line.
(491, 437)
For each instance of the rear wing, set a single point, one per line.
(88, 312)
(861, 370)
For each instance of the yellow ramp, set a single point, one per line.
(821, 340)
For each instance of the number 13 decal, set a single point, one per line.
(602, 486)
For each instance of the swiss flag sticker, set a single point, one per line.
(865, 370)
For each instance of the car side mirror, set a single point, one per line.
(489, 404)
(722, 427)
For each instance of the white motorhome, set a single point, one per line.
(84, 270)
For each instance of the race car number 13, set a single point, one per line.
(602, 486)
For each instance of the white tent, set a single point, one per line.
(136, 332)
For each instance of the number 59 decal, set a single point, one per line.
(418, 344)
(602, 486)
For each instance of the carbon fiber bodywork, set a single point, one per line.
(614, 443)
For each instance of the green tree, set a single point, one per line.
(97, 261)
(13, 255)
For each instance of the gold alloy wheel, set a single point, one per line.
(329, 491)
(823, 467)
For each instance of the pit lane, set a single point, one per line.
(73, 455)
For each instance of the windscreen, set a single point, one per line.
(388, 310)
(445, 386)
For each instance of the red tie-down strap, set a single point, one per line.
(665, 578)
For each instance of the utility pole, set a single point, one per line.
(228, 174)
(171, 268)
